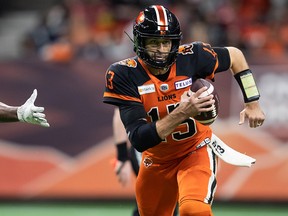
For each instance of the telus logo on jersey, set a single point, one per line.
(183, 83)
(145, 89)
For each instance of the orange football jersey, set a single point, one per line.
(129, 81)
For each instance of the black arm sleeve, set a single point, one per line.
(141, 134)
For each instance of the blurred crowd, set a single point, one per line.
(93, 29)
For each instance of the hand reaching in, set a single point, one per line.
(30, 113)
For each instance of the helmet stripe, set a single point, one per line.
(161, 15)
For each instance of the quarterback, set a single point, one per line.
(152, 91)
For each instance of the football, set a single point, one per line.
(206, 118)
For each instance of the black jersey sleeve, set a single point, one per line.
(223, 59)
(207, 61)
(119, 88)
(210, 60)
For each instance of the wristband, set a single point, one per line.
(247, 85)
(122, 152)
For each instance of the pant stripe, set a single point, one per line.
(212, 181)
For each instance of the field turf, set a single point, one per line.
(125, 209)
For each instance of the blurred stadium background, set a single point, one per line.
(63, 48)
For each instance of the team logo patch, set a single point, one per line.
(164, 87)
(146, 89)
(186, 49)
(140, 18)
(183, 83)
(147, 162)
(129, 63)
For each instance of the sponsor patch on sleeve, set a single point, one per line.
(145, 89)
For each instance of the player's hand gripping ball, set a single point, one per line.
(206, 118)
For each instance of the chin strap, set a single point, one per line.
(228, 154)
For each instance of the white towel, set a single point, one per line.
(228, 154)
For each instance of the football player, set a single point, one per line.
(27, 112)
(152, 91)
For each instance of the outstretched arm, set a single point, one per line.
(8, 113)
(240, 69)
(27, 112)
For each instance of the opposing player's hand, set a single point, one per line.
(30, 113)
(253, 113)
(194, 104)
(123, 172)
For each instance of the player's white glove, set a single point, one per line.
(30, 113)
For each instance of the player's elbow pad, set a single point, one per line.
(144, 137)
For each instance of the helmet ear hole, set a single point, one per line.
(158, 22)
